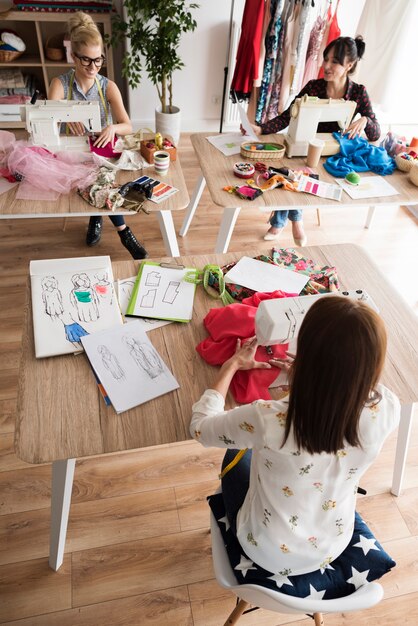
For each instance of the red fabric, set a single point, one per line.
(333, 33)
(248, 54)
(236, 321)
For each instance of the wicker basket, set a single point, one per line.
(54, 48)
(257, 152)
(404, 165)
(413, 174)
(6, 56)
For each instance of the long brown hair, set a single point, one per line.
(341, 350)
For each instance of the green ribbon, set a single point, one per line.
(199, 277)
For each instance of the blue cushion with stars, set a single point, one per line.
(362, 561)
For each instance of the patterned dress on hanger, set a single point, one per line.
(315, 40)
(289, 25)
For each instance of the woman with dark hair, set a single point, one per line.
(306, 452)
(340, 61)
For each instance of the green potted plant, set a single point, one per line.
(154, 29)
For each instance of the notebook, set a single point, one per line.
(71, 298)
(162, 292)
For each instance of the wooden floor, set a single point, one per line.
(138, 546)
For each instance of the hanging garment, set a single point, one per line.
(315, 40)
(272, 50)
(328, 18)
(333, 33)
(289, 24)
(246, 66)
(358, 155)
(262, 55)
(302, 44)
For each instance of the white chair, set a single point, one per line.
(272, 600)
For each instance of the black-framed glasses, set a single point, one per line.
(87, 61)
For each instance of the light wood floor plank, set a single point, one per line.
(192, 504)
(7, 415)
(383, 517)
(140, 566)
(32, 588)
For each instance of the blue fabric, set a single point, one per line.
(358, 155)
(366, 561)
(279, 218)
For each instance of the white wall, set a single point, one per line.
(197, 89)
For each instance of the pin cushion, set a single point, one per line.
(243, 170)
(353, 178)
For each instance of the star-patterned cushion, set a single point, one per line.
(362, 561)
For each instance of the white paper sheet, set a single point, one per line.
(128, 366)
(124, 291)
(71, 297)
(265, 277)
(228, 143)
(245, 123)
(369, 187)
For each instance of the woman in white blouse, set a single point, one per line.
(291, 498)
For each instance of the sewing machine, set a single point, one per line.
(278, 321)
(306, 113)
(45, 117)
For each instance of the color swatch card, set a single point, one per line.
(160, 190)
(162, 292)
(128, 366)
(319, 188)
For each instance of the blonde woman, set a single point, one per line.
(85, 83)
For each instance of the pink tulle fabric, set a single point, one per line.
(44, 175)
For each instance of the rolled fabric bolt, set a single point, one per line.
(161, 161)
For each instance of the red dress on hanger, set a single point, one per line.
(333, 33)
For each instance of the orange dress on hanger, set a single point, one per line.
(333, 33)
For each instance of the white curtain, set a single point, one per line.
(388, 69)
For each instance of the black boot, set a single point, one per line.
(131, 243)
(94, 231)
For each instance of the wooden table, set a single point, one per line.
(217, 173)
(61, 416)
(72, 205)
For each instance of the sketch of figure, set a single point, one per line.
(148, 299)
(84, 298)
(171, 292)
(52, 297)
(144, 356)
(103, 287)
(111, 363)
(153, 279)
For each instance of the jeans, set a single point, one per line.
(117, 220)
(279, 218)
(235, 484)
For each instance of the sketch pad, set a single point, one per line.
(71, 298)
(162, 293)
(128, 366)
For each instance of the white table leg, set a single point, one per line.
(370, 214)
(169, 234)
(225, 230)
(191, 209)
(404, 432)
(62, 484)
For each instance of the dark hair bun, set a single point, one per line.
(360, 45)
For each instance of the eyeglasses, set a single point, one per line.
(87, 61)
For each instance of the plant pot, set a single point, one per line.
(168, 124)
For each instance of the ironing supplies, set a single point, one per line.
(266, 150)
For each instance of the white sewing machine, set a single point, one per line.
(278, 321)
(306, 113)
(45, 117)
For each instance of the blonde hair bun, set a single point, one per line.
(83, 31)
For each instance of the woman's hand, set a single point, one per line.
(356, 128)
(284, 364)
(256, 129)
(107, 134)
(77, 128)
(244, 357)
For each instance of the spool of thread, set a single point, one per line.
(243, 170)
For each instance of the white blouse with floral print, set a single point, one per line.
(298, 515)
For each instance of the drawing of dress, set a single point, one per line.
(145, 357)
(111, 363)
(84, 298)
(52, 297)
(103, 288)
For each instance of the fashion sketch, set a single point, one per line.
(111, 363)
(103, 287)
(52, 297)
(84, 298)
(144, 356)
